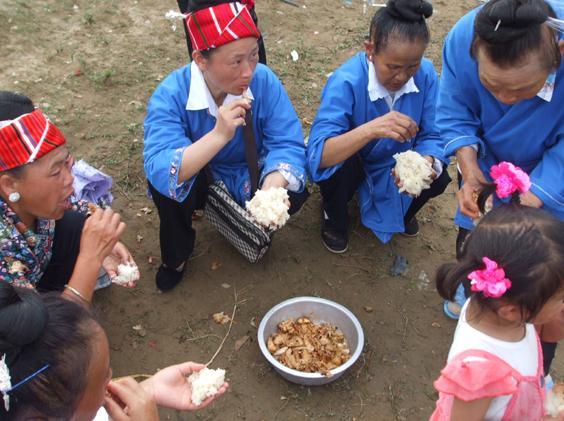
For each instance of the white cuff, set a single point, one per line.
(293, 183)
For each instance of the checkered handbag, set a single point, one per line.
(235, 223)
(232, 221)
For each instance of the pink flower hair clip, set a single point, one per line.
(490, 281)
(508, 179)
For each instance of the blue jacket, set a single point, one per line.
(529, 134)
(170, 128)
(345, 105)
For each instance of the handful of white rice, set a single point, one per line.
(269, 208)
(127, 275)
(414, 171)
(205, 383)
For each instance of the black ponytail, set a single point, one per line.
(509, 30)
(402, 19)
(36, 331)
(489, 189)
(527, 243)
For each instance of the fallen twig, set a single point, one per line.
(290, 2)
(352, 267)
(235, 306)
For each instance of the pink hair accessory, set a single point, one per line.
(509, 179)
(490, 281)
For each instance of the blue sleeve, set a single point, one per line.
(282, 137)
(428, 140)
(457, 123)
(333, 118)
(547, 176)
(166, 139)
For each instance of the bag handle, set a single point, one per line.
(251, 155)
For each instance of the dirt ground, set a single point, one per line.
(92, 65)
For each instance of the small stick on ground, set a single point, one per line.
(235, 306)
(281, 408)
(352, 267)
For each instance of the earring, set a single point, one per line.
(14, 197)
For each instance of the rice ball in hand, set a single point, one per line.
(269, 207)
(127, 275)
(414, 171)
(205, 383)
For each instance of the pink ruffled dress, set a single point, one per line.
(477, 374)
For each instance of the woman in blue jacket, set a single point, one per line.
(502, 99)
(379, 103)
(194, 120)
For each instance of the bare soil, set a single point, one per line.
(92, 65)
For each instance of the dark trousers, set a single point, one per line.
(66, 246)
(338, 190)
(177, 237)
(183, 6)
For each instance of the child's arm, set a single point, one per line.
(471, 410)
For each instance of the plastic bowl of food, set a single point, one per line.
(318, 310)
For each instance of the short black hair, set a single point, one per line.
(14, 105)
(38, 330)
(401, 19)
(509, 30)
(528, 245)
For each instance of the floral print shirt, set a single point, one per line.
(24, 253)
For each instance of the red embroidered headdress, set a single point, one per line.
(218, 25)
(27, 138)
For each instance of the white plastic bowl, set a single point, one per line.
(318, 310)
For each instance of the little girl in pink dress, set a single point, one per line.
(513, 266)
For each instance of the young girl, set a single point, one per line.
(513, 266)
(379, 103)
(55, 365)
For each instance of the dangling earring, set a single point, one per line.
(14, 197)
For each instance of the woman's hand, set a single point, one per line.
(170, 387)
(473, 178)
(273, 180)
(100, 234)
(230, 117)
(129, 401)
(119, 255)
(393, 125)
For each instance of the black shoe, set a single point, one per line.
(334, 241)
(168, 278)
(411, 227)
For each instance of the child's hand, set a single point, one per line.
(130, 402)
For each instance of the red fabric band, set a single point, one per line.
(26, 139)
(219, 25)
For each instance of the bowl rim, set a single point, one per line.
(279, 366)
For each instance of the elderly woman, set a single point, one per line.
(43, 242)
(55, 365)
(194, 120)
(501, 98)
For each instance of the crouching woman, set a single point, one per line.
(379, 103)
(194, 120)
(44, 243)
